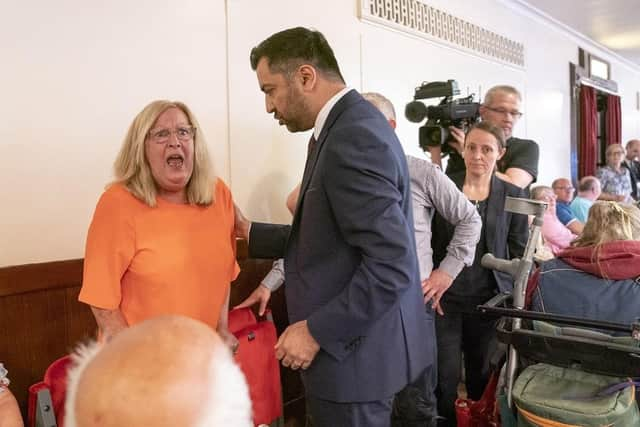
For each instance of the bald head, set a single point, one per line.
(166, 371)
(383, 104)
(589, 188)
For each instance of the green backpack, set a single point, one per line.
(552, 396)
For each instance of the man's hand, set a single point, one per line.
(229, 339)
(457, 135)
(261, 295)
(296, 348)
(242, 224)
(434, 287)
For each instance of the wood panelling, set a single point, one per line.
(42, 320)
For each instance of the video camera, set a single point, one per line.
(460, 113)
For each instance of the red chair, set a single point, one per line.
(46, 398)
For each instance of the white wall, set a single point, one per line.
(75, 73)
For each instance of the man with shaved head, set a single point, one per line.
(589, 190)
(166, 371)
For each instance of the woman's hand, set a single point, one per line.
(229, 339)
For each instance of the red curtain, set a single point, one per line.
(587, 149)
(613, 121)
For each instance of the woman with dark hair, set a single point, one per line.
(597, 276)
(461, 328)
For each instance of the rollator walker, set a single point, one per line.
(581, 348)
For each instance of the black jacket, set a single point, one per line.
(506, 233)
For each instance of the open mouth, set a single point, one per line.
(175, 161)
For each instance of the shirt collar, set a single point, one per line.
(321, 118)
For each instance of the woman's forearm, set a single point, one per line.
(110, 322)
(223, 320)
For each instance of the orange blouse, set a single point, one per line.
(169, 259)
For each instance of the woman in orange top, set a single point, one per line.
(162, 236)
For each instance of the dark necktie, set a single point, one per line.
(311, 146)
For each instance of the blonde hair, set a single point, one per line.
(609, 221)
(132, 169)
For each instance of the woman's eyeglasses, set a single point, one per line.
(185, 133)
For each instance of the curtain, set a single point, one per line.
(613, 120)
(587, 147)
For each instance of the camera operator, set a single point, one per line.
(501, 107)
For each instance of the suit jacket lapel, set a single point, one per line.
(312, 159)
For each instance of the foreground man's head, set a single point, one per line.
(167, 371)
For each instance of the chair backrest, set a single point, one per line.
(55, 380)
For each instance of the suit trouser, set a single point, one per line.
(325, 413)
(473, 334)
(416, 404)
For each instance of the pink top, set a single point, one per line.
(556, 236)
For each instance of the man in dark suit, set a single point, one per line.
(631, 162)
(359, 329)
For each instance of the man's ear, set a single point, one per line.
(482, 110)
(308, 77)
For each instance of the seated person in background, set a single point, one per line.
(555, 235)
(615, 179)
(596, 277)
(564, 194)
(632, 163)
(166, 371)
(162, 236)
(588, 192)
(9, 410)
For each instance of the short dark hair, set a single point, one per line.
(494, 130)
(287, 50)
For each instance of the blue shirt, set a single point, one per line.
(580, 208)
(564, 214)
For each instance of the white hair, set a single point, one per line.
(82, 356)
(382, 103)
(228, 402)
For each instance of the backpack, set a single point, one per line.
(553, 396)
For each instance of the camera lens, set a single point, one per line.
(415, 111)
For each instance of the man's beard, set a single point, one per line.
(298, 115)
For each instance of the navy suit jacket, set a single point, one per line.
(350, 262)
